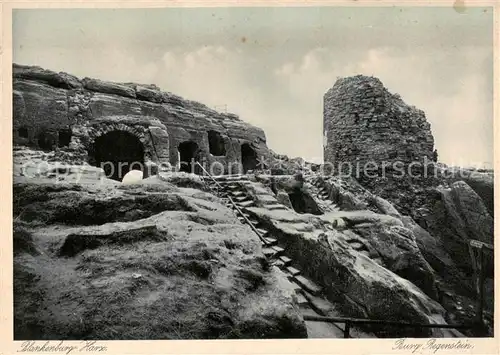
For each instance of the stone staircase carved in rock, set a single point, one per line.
(308, 295)
(321, 194)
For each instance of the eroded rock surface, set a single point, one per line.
(59, 111)
(167, 263)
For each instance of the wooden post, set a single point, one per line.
(480, 287)
(347, 329)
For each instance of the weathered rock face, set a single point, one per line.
(380, 239)
(364, 122)
(457, 216)
(167, 263)
(355, 269)
(59, 111)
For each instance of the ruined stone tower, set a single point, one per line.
(363, 121)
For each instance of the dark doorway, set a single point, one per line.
(216, 143)
(64, 137)
(248, 158)
(303, 203)
(45, 141)
(189, 153)
(23, 132)
(118, 152)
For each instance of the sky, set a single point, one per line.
(272, 66)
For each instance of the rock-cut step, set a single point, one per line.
(245, 204)
(307, 285)
(232, 187)
(263, 233)
(300, 299)
(271, 241)
(230, 178)
(238, 193)
(253, 220)
(293, 271)
(278, 250)
(285, 260)
(269, 252)
(320, 305)
(275, 207)
(272, 251)
(241, 198)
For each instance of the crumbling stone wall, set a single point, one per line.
(48, 105)
(364, 122)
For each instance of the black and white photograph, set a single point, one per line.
(252, 172)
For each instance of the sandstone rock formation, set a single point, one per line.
(168, 247)
(458, 216)
(142, 261)
(329, 248)
(444, 208)
(59, 111)
(358, 284)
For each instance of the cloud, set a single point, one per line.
(210, 74)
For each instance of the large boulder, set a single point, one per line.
(107, 87)
(462, 202)
(397, 247)
(435, 254)
(369, 286)
(384, 206)
(458, 216)
(359, 282)
(481, 181)
(61, 80)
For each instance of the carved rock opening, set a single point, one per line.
(118, 152)
(303, 203)
(248, 157)
(64, 137)
(23, 132)
(45, 141)
(216, 144)
(189, 153)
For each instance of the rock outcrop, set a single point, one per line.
(180, 266)
(59, 111)
(358, 282)
(459, 215)
(173, 258)
(329, 248)
(372, 135)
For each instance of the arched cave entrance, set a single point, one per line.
(248, 158)
(216, 144)
(189, 153)
(118, 152)
(64, 137)
(23, 132)
(303, 203)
